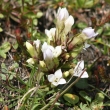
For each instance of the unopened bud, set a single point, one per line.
(30, 61)
(30, 49)
(66, 74)
(66, 56)
(42, 64)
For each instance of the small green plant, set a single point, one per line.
(49, 61)
(4, 49)
(48, 73)
(8, 74)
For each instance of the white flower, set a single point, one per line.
(64, 21)
(89, 32)
(62, 14)
(79, 70)
(56, 78)
(47, 51)
(50, 33)
(68, 24)
(57, 51)
(37, 43)
(50, 52)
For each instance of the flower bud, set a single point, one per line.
(66, 74)
(30, 61)
(68, 24)
(50, 33)
(43, 65)
(30, 49)
(64, 21)
(66, 56)
(62, 14)
(89, 33)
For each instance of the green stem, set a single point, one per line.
(22, 8)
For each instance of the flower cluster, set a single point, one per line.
(59, 50)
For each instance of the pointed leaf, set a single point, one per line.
(99, 97)
(85, 95)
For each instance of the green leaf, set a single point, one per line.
(30, 15)
(3, 76)
(80, 2)
(1, 15)
(39, 76)
(1, 99)
(82, 25)
(84, 107)
(15, 65)
(107, 33)
(71, 98)
(11, 75)
(4, 48)
(85, 95)
(89, 4)
(35, 22)
(2, 54)
(82, 83)
(100, 30)
(39, 14)
(4, 68)
(15, 45)
(50, 92)
(106, 103)
(99, 97)
(35, 106)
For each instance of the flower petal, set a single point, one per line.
(58, 74)
(62, 81)
(51, 77)
(44, 46)
(57, 51)
(50, 33)
(55, 83)
(37, 43)
(48, 54)
(62, 14)
(77, 73)
(81, 64)
(85, 75)
(89, 32)
(68, 24)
